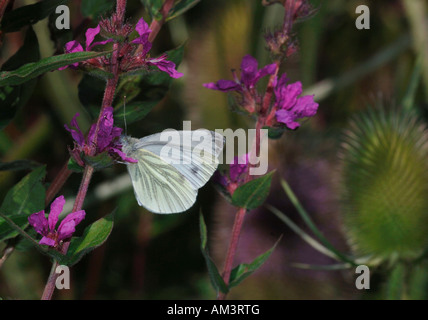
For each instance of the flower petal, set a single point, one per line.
(48, 241)
(67, 226)
(71, 47)
(67, 230)
(39, 223)
(76, 134)
(286, 96)
(266, 70)
(288, 118)
(105, 129)
(166, 66)
(142, 27)
(56, 209)
(122, 155)
(249, 67)
(90, 34)
(306, 107)
(223, 85)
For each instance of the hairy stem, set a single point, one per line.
(233, 245)
(156, 25)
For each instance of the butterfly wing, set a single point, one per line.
(170, 185)
(158, 186)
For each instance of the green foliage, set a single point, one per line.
(14, 97)
(19, 165)
(95, 8)
(243, 271)
(93, 237)
(385, 183)
(33, 70)
(181, 6)
(24, 199)
(215, 277)
(252, 194)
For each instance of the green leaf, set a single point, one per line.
(275, 133)
(153, 7)
(74, 166)
(14, 97)
(252, 194)
(33, 70)
(215, 277)
(395, 286)
(100, 161)
(308, 221)
(95, 8)
(19, 165)
(135, 111)
(24, 199)
(243, 271)
(307, 238)
(181, 7)
(93, 237)
(20, 17)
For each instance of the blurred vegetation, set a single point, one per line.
(158, 257)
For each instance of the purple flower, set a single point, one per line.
(238, 168)
(236, 175)
(74, 46)
(165, 65)
(107, 138)
(250, 75)
(144, 31)
(289, 106)
(46, 227)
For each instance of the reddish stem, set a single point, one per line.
(57, 184)
(233, 245)
(156, 25)
(240, 215)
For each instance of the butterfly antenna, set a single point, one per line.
(124, 116)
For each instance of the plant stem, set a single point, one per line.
(230, 256)
(240, 215)
(156, 25)
(57, 184)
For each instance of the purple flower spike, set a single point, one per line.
(289, 106)
(46, 227)
(107, 138)
(250, 75)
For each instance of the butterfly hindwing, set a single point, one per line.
(170, 184)
(158, 186)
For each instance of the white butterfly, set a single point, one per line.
(169, 172)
